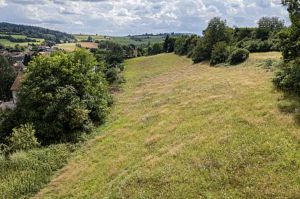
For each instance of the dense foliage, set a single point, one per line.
(62, 96)
(218, 38)
(288, 77)
(219, 53)
(13, 39)
(238, 56)
(7, 77)
(35, 32)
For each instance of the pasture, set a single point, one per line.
(8, 43)
(183, 130)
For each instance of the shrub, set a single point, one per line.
(219, 53)
(238, 56)
(200, 53)
(23, 138)
(288, 77)
(61, 95)
(112, 75)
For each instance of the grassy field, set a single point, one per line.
(138, 40)
(8, 43)
(84, 37)
(69, 47)
(179, 130)
(24, 173)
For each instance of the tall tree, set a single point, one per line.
(215, 32)
(288, 78)
(61, 95)
(7, 77)
(268, 25)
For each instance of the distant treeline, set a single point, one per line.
(17, 40)
(220, 43)
(35, 32)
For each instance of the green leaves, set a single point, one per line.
(62, 95)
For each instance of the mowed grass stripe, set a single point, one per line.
(179, 130)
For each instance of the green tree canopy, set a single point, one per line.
(62, 95)
(7, 77)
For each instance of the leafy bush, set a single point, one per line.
(7, 77)
(155, 49)
(25, 173)
(256, 45)
(288, 77)
(200, 53)
(238, 56)
(112, 75)
(61, 95)
(219, 53)
(23, 138)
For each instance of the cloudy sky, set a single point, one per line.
(123, 17)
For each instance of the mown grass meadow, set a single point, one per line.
(183, 130)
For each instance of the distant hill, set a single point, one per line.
(34, 32)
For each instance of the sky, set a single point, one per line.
(124, 17)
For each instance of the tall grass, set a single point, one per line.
(24, 173)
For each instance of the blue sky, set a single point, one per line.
(123, 17)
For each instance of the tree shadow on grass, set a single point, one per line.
(290, 104)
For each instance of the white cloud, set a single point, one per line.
(2, 3)
(122, 17)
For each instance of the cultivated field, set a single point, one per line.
(8, 43)
(85, 37)
(138, 40)
(88, 45)
(179, 130)
(69, 47)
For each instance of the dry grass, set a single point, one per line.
(88, 45)
(189, 131)
(69, 47)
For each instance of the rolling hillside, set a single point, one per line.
(179, 130)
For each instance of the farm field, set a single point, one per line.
(126, 40)
(183, 130)
(69, 47)
(88, 45)
(138, 40)
(8, 43)
(82, 37)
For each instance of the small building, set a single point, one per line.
(15, 87)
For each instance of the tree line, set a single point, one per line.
(35, 32)
(220, 43)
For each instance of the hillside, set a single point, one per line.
(179, 130)
(29, 33)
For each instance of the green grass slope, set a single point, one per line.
(179, 130)
(8, 43)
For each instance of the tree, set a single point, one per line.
(114, 54)
(156, 49)
(268, 25)
(215, 32)
(169, 44)
(200, 53)
(61, 95)
(219, 53)
(90, 38)
(7, 77)
(180, 47)
(288, 77)
(293, 7)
